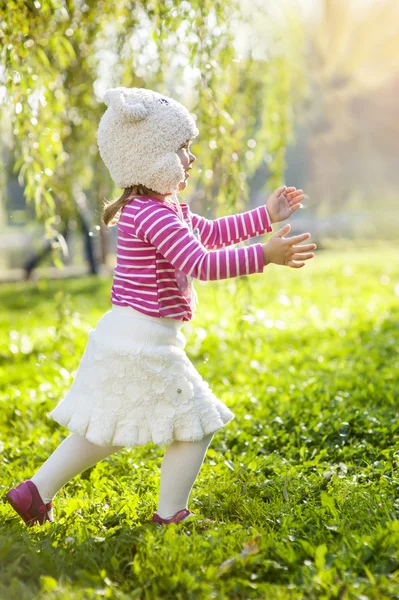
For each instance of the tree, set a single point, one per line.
(60, 55)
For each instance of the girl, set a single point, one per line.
(135, 384)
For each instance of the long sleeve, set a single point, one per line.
(159, 225)
(233, 229)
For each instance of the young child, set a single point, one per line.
(135, 383)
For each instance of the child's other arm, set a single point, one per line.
(226, 231)
(233, 229)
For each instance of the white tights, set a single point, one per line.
(180, 466)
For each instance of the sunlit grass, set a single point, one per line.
(302, 484)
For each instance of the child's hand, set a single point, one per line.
(283, 202)
(283, 251)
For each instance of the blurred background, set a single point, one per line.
(301, 92)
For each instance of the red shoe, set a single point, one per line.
(26, 501)
(181, 515)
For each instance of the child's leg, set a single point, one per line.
(180, 467)
(73, 456)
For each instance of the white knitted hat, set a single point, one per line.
(139, 135)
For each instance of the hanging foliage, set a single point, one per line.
(59, 56)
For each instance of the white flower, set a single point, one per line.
(179, 391)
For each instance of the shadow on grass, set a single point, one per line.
(103, 560)
(28, 555)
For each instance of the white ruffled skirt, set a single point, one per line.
(135, 385)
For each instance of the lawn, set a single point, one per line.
(302, 484)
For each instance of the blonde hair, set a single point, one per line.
(111, 209)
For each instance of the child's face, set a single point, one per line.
(186, 158)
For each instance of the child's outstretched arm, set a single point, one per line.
(159, 225)
(226, 231)
(233, 229)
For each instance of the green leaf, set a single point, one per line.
(320, 556)
(43, 57)
(47, 583)
(67, 46)
(328, 502)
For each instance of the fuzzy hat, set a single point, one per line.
(139, 135)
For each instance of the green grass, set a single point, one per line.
(302, 484)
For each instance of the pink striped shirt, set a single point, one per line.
(156, 251)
